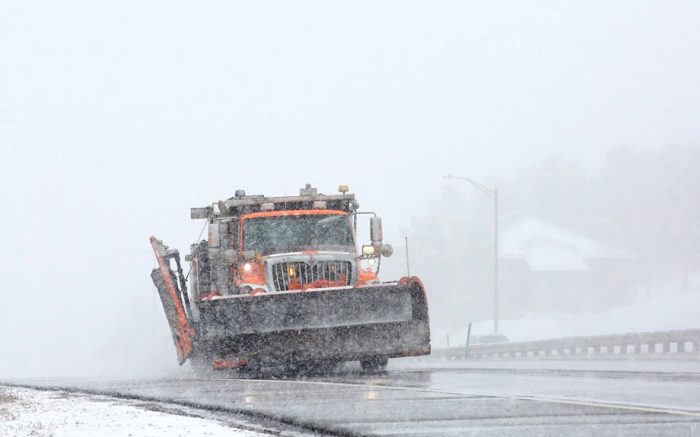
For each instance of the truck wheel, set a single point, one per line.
(374, 364)
(327, 366)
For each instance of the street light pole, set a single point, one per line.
(493, 195)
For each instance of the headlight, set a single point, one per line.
(246, 267)
(369, 250)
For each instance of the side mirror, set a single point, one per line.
(375, 231)
(387, 250)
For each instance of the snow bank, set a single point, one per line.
(25, 412)
(668, 311)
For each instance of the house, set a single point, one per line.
(545, 267)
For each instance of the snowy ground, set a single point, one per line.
(25, 412)
(665, 311)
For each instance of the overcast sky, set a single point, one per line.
(114, 120)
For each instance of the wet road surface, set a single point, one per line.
(436, 402)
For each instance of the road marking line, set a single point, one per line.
(554, 400)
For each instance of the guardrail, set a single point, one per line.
(640, 343)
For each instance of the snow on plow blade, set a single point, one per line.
(340, 324)
(306, 310)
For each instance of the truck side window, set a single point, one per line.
(235, 233)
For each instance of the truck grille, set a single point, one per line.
(305, 273)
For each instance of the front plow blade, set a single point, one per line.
(339, 324)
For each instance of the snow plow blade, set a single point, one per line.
(328, 324)
(171, 296)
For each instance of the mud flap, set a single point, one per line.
(164, 279)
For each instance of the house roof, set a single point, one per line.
(549, 247)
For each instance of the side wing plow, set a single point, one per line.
(173, 296)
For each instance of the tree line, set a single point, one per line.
(644, 202)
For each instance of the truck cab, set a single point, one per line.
(267, 245)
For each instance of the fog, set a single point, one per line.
(116, 119)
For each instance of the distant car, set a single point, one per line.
(490, 339)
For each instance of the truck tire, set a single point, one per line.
(374, 364)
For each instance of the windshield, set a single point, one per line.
(297, 232)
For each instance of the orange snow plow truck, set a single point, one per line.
(279, 281)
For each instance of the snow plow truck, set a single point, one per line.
(279, 281)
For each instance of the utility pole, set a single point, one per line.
(495, 261)
(493, 195)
